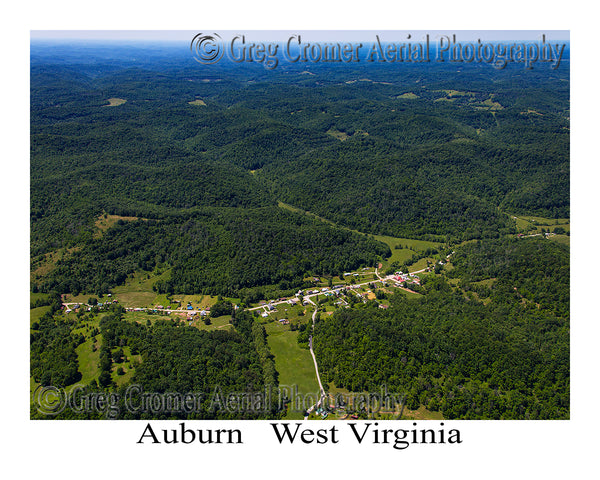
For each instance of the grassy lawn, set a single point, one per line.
(296, 315)
(337, 134)
(43, 266)
(219, 323)
(565, 239)
(409, 247)
(533, 224)
(89, 359)
(200, 301)
(128, 367)
(406, 293)
(487, 282)
(37, 296)
(294, 364)
(106, 221)
(421, 264)
(36, 313)
(137, 290)
(408, 95)
(143, 317)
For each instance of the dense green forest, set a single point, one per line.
(437, 164)
(215, 251)
(241, 182)
(452, 352)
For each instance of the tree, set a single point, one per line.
(104, 379)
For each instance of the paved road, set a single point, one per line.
(310, 345)
(308, 297)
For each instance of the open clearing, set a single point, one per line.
(198, 102)
(106, 221)
(337, 134)
(137, 291)
(421, 414)
(408, 95)
(36, 313)
(532, 224)
(46, 264)
(219, 323)
(89, 359)
(455, 93)
(409, 247)
(294, 364)
(115, 102)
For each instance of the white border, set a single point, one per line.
(491, 449)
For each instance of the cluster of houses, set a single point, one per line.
(77, 306)
(401, 278)
(168, 309)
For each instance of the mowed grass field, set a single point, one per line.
(36, 313)
(564, 239)
(532, 224)
(219, 323)
(294, 364)
(137, 291)
(89, 359)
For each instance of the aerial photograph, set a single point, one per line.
(299, 225)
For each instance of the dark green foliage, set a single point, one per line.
(53, 360)
(215, 251)
(507, 359)
(461, 357)
(222, 307)
(433, 170)
(533, 270)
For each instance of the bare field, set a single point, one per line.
(115, 102)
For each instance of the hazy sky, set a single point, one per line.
(282, 35)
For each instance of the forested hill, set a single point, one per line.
(507, 357)
(427, 152)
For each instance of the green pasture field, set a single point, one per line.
(294, 364)
(533, 224)
(36, 313)
(89, 359)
